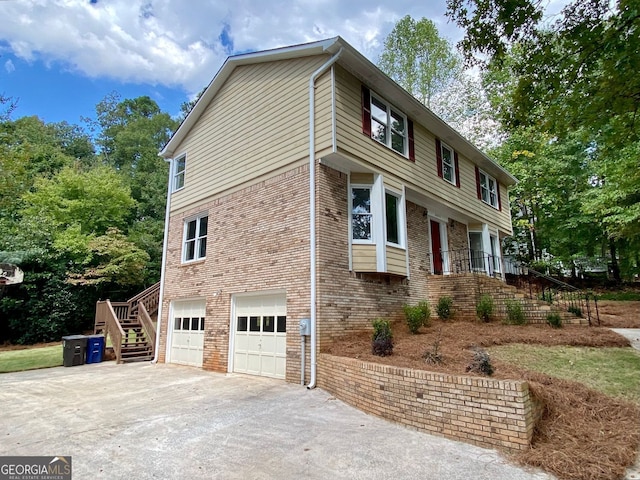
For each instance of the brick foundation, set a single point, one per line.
(484, 412)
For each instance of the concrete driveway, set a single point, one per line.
(148, 421)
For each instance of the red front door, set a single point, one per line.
(436, 248)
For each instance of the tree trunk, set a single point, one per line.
(615, 268)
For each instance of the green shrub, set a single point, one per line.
(382, 341)
(577, 311)
(554, 320)
(481, 362)
(484, 308)
(445, 308)
(515, 313)
(547, 296)
(620, 296)
(417, 316)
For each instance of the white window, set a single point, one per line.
(388, 125)
(178, 175)
(495, 253)
(489, 189)
(195, 239)
(361, 216)
(393, 217)
(448, 164)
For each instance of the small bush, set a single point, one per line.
(554, 320)
(445, 308)
(433, 355)
(382, 341)
(417, 316)
(577, 311)
(484, 309)
(515, 313)
(546, 296)
(481, 362)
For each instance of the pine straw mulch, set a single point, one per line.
(582, 434)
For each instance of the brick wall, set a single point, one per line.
(484, 412)
(347, 301)
(457, 236)
(258, 239)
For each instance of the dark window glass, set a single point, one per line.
(203, 248)
(392, 219)
(195, 323)
(282, 324)
(202, 323)
(203, 226)
(185, 323)
(254, 324)
(242, 324)
(177, 323)
(191, 230)
(361, 213)
(268, 324)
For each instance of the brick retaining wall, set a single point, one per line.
(485, 412)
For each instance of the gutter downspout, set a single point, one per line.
(164, 261)
(312, 209)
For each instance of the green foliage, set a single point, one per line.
(418, 59)
(382, 340)
(417, 316)
(481, 362)
(445, 308)
(485, 308)
(554, 320)
(628, 296)
(515, 312)
(577, 311)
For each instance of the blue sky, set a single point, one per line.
(59, 58)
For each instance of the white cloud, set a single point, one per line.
(9, 66)
(179, 44)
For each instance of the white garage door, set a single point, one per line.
(260, 344)
(187, 339)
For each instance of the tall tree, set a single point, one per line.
(419, 59)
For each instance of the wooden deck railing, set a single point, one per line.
(106, 315)
(149, 297)
(147, 326)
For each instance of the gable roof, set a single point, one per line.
(363, 69)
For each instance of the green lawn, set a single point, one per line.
(29, 359)
(613, 371)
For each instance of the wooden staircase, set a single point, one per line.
(130, 325)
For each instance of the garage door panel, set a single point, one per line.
(262, 339)
(187, 337)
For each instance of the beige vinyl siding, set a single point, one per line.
(421, 175)
(257, 123)
(362, 178)
(393, 183)
(396, 260)
(364, 258)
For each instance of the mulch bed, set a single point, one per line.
(582, 434)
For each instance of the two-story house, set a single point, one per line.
(306, 184)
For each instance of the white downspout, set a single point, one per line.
(312, 209)
(164, 261)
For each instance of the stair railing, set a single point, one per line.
(106, 315)
(147, 326)
(553, 291)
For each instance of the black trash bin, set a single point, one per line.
(95, 348)
(73, 350)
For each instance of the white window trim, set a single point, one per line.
(402, 235)
(197, 218)
(362, 241)
(176, 174)
(444, 146)
(488, 190)
(389, 141)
